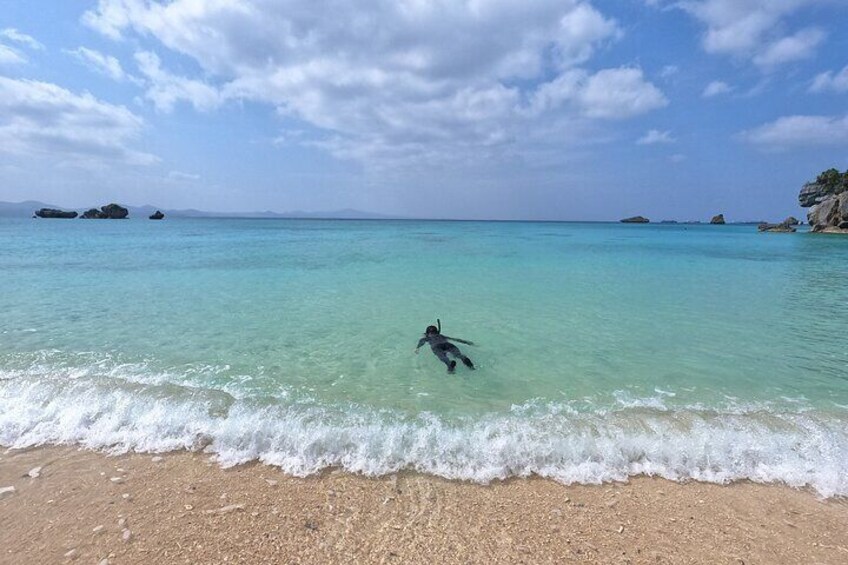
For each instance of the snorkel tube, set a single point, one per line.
(439, 325)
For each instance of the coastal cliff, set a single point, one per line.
(827, 199)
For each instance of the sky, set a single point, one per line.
(475, 109)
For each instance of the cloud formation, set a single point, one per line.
(715, 88)
(16, 36)
(182, 176)
(607, 94)
(830, 81)
(654, 136)
(42, 119)
(755, 30)
(100, 63)
(11, 56)
(799, 131)
(801, 45)
(165, 90)
(390, 75)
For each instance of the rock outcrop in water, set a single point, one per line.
(782, 227)
(53, 213)
(157, 215)
(827, 199)
(718, 220)
(636, 220)
(108, 212)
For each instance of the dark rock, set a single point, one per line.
(53, 213)
(108, 212)
(636, 220)
(792, 221)
(93, 214)
(114, 212)
(157, 215)
(776, 228)
(668, 222)
(718, 220)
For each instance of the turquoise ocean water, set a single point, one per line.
(603, 350)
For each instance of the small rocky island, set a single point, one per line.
(827, 199)
(786, 226)
(718, 220)
(54, 213)
(108, 212)
(636, 220)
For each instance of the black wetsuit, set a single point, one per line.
(442, 347)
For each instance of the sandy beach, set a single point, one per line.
(85, 507)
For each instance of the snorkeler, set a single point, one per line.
(441, 347)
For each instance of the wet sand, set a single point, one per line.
(86, 507)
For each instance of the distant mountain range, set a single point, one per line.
(26, 209)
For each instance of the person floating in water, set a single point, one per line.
(442, 347)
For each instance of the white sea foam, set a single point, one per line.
(803, 448)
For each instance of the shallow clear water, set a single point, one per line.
(603, 350)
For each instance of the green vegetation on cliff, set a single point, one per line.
(833, 182)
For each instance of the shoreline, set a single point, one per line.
(180, 506)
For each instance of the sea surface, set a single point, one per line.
(603, 351)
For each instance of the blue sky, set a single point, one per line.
(508, 109)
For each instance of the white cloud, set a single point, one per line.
(111, 17)
(669, 71)
(181, 176)
(382, 76)
(9, 56)
(754, 29)
(430, 38)
(165, 89)
(42, 119)
(655, 136)
(12, 34)
(796, 47)
(610, 93)
(837, 82)
(100, 63)
(581, 30)
(796, 131)
(607, 94)
(620, 93)
(715, 88)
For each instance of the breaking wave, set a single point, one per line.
(804, 447)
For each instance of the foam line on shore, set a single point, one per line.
(800, 448)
